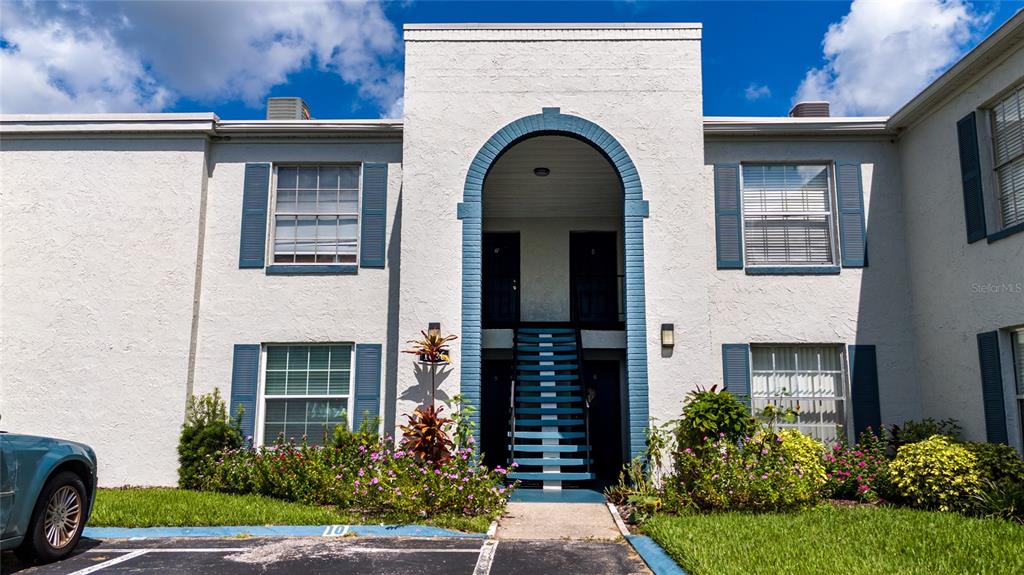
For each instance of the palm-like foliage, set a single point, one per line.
(432, 347)
(425, 436)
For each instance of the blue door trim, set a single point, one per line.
(552, 122)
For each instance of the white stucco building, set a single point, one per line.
(554, 196)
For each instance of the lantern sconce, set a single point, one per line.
(434, 328)
(668, 335)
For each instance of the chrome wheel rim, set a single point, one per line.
(63, 515)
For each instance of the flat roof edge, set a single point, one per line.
(558, 26)
(784, 125)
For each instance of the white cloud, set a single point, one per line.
(882, 53)
(207, 51)
(756, 91)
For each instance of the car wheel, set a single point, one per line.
(58, 519)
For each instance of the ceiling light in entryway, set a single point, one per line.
(541, 172)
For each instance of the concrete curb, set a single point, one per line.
(277, 531)
(655, 557)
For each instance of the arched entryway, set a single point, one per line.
(552, 122)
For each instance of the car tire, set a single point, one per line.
(57, 520)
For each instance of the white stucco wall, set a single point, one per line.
(643, 86)
(544, 260)
(249, 306)
(958, 289)
(868, 306)
(96, 283)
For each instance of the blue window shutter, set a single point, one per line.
(992, 387)
(245, 377)
(373, 242)
(736, 370)
(255, 195)
(867, 411)
(852, 226)
(728, 217)
(970, 175)
(367, 386)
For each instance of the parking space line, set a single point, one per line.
(114, 561)
(486, 559)
(175, 550)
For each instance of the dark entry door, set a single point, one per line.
(501, 279)
(594, 281)
(602, 376)
(495, 399)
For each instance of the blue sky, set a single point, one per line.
(347, 60)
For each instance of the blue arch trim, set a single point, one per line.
(552, 121)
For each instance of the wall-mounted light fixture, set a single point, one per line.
(668, 335)
(434, 328)
(541, 172)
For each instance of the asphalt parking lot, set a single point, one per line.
(312, 555)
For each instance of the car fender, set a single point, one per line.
(36, 461)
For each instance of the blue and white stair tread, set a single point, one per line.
(544, 330)
(546, 422)
(550, 476)
(552, 461)
(533, 448)
(548, 435)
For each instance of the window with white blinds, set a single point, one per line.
(1008, 150)
(316, 214)
(787, 215)
(806, 378)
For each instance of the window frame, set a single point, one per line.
(261, 396)
(1017, 381)
(833, 222)
(844, 368)
(988, 109)
(272, 216)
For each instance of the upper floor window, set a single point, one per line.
(807, 378)
(316, 214)
(1008, 152)
(787, 215)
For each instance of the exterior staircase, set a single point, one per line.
(549, 436)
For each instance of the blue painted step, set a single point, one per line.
(548, 388)
(548, 448)
(555, 377)
(551, 461)
(526, 347)
(553, 367)
(556, 399)
(541, 476)
(549, 410)
(543, 422)
(543, 339)
(545, 357)
(548, 435)
(546, 330)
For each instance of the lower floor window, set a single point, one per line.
(305, 391)
(805, 378)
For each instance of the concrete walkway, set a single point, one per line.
(591, 521)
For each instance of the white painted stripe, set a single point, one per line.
(492, 529)
(114, 561)
(486, 559)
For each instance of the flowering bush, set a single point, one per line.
(372, 478)
(937, 474)
(756, 474)
(710, 413)
(859, 472)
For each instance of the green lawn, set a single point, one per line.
(847, 540)
(167, 507)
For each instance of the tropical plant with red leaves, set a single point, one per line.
(425, 435)
(432, 347)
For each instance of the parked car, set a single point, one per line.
(47, 489)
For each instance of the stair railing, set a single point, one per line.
(588, 454)
(512, 399)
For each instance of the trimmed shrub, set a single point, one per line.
(712, 415)
(758, 474)
(936, 474)
(856, 473)
(997, 462)
(914, 431)
(805, 453)
(208, 430)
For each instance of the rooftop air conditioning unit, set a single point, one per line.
(287, 109)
